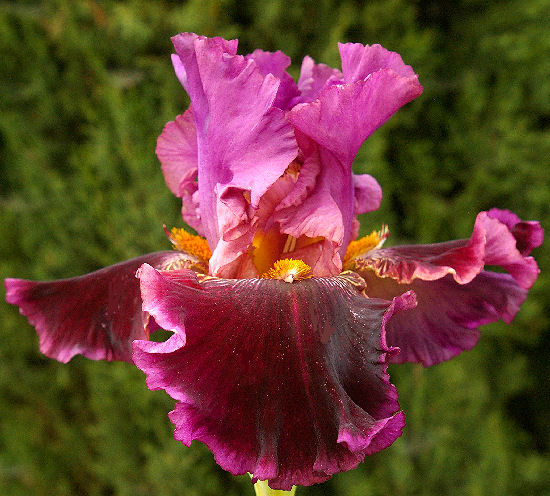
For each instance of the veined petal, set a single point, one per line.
(244, 142)
(97, 315)
(445, 322)
(286, 381)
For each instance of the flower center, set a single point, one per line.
(271, 246)
(288, 270)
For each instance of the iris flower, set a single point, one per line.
(283, 323)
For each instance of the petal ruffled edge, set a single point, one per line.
(268, 383)
(276, 63)
(453, 299)
(463, 259)
(445, 322)
(359, 61)
(245, 142)
(97, 315)
(528, 233)
(345, 115)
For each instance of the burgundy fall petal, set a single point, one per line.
(446, 319)
(285, 381)
(463, 258)
(455, 296)
(528, 233)
(97, 315)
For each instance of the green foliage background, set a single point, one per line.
(87, 85)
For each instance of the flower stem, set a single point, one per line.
(262, 489)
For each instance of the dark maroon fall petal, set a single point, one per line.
(446, 319)
(463, 258)
(285, 381)
(97, 315)
(528, 233)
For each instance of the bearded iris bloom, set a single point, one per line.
(283, 323)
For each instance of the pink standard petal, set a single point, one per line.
(276, 63)
(97, 315)
(368, 193)
(177, 150)
(359, 61)
(285, 381)
(446, 319)
(177, 153)
(314, 78)
(245, 143)
(343, 116)
(332, 128)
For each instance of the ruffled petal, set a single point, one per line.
(344, 115)
(97, 315)
(528, 233)
(368, 193)
(359, 61)
(332, 128)
(326, 210)
(454, 295)
(314, 78)
(245, 144)
(276, 63)
(446, 319)
(464, 259)
(177, 152)
(285, 381)
(503, 242)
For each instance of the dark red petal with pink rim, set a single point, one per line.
(445, 322)
(464, 259)
(502, 249)
(528, 233)
(285, 381)
(97, 315)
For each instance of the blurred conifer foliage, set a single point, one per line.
(87, 85)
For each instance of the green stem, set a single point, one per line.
(262, 489)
